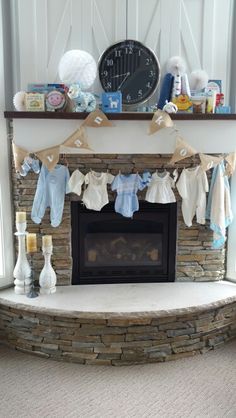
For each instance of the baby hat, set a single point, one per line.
(75, 182)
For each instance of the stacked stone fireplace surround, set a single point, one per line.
(196, 260)
(118, 338)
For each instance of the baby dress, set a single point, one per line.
(192, 187)
(127, 186)
(160, 188)
(95, 195)
(51, 189)
(75, 182)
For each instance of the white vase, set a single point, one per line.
(47, 277)
(22, 270)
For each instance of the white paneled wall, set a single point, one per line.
(198, 30)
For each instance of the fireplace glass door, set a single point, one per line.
(108, 248)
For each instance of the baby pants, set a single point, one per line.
(50, 192)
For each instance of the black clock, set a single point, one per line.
(131, 68)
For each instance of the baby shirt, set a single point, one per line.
(127, 186)
(75, 182)
(95, 195)
(192, 187)
(160, 188)
(50, 192)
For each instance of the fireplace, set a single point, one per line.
(109, 248)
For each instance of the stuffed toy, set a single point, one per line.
(83, 102)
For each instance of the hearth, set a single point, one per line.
(109, 248)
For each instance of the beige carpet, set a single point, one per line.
(198, 387)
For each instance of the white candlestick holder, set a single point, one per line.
(47, 277)
(22, 270)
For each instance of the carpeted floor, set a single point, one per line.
(198, 387)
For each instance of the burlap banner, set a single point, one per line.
(208, 161)
(97, 119)
(78, 139)
(182, 150)
(49, 156)
(18, 155)
(160, 120)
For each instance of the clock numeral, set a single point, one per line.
(151, 73)
(109, 62)
(139, 53)
(128, 97)
(117, 53)
(108, 85)
(105, 73)
(148, 61)
(140, 93)
(148, 85)
(129, 50)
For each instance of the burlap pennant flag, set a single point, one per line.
(97, 119)
(18, 155)
(49, 157)
(182, 150)
(160, 120)
(78, 139)
(230, 163)
(208, 161)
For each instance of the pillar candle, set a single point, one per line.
(31, 243)
(20, 217)
(47, 241)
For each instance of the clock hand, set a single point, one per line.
(118, 75)
(127, 75)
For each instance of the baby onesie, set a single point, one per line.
(50, 192)
(160, 188)
(95, 195)
(192, 187)
(75, 182)
(127, 186)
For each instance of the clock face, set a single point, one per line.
(131, 68)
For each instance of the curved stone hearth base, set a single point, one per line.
(112, 337)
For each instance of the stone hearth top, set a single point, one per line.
(126, 300)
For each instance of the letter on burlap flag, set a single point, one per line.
(18, 155)
(160, 120)
(230, 163)
(79, 139)
(182, 150)
(208, 161)
(97, 119)
(49, 157)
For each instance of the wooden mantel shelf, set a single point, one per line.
(116, 116)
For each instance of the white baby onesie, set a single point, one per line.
(160, 188)
(192, 187)
(75, 182)
(95, 195)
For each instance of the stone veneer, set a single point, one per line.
(195, 258)
(109, 339)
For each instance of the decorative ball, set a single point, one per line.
(77, 66)
(176, 65)
(198, 79)
(19, 101)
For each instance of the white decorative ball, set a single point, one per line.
(176, 65)
(77, 66)
(198, 79)
(19, 101)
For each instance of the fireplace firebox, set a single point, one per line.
(109, 248)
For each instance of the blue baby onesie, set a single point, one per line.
(127, 186)
(50, 192)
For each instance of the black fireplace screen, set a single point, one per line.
(108, 248)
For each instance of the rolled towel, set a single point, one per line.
(166, 90)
